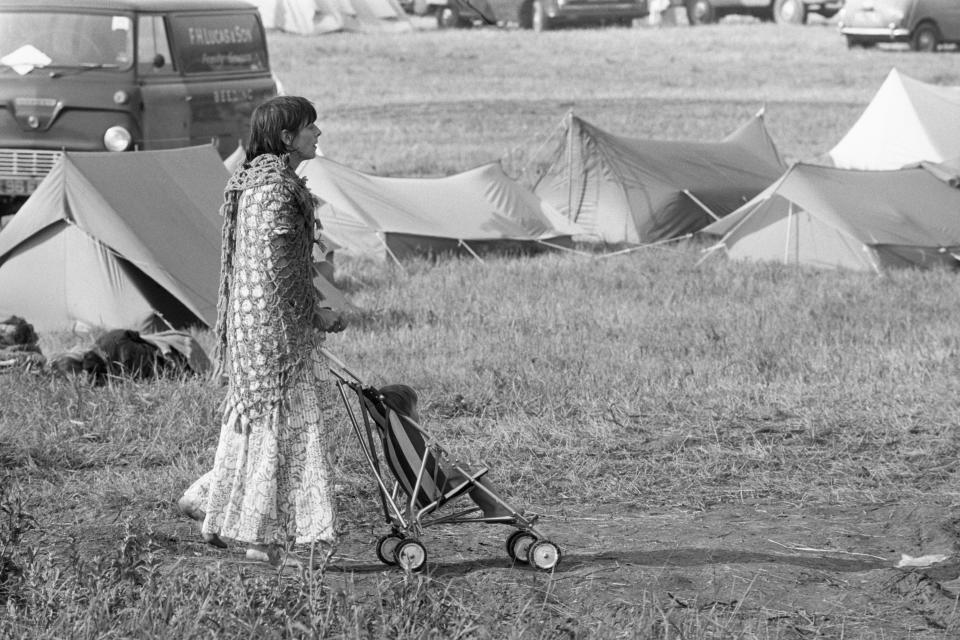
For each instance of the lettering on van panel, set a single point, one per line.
(233, 95)
(228, 35)
(218, 60)
(219, 43)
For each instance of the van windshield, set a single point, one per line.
(35, 39)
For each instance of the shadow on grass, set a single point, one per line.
(684, 557)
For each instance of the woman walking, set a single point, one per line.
(270, 485)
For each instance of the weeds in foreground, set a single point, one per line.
(640, 385)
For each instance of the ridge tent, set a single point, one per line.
(117, 240)
(309, 17)
(121, 241)
(473, 212)
(847, 218)
(906, 122)
(635, 191)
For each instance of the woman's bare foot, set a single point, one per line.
(190, 509)
(273, 555)
(215, 540)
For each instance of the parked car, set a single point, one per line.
(539, 15)
(923, 24)
(781, 11)
(118, 75)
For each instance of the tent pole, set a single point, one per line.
(567, 249)
(386, 247)
(571, 214)
(709, 251)
(648, 245)
(702, 206)
(472, 252)
(786, 244)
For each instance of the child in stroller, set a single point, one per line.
(427, 478)
(404, 400)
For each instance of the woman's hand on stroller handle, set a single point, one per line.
(329, 320)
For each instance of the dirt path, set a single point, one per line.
(815, 572)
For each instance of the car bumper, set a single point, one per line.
(877, 34)
(594, 12)
(825, 6)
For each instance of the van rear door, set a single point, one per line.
(223, 61)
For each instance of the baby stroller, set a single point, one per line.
(424, 481)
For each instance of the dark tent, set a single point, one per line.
(626, 190)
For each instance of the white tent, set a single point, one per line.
(906, 122)
(846, 218)
(309, 17)
(472, 212)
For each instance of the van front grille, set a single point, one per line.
(27, 163)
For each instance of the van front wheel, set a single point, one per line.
(926, 37)
(448, 17)
(790, 12)
(700, 12)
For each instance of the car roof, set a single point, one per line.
(128, 5)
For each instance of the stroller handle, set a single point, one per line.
(339, 364)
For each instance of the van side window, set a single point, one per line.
(219, 43)
(153, 48)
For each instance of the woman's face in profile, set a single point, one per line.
(304, 143)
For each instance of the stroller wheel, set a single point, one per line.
(410, 555)
(386, 546)
(518, 545)
(544, 555)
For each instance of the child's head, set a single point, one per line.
(402, 399)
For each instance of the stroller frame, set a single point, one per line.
(411, 507)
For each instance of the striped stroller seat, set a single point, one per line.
(413, 461)
(424, 481)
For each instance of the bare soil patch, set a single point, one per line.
(806, 571)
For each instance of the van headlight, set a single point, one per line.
(117, 139)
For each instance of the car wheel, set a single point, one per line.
(700, 12)
(539, 20)
(790, 12)
(926, 37)
(448, 17)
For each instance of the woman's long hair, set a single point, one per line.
(290, 113)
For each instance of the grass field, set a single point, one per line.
(722, 450)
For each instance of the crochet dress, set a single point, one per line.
(270, 482)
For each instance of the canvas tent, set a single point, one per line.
(636, 191)
(906, 122)
(113, 240)
(845, 218)
(121, 241)
(472, 212)
(309, 17)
